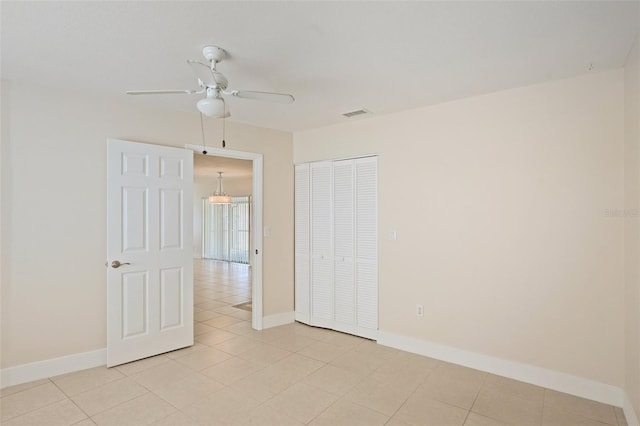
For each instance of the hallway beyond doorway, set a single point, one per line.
(217, 287)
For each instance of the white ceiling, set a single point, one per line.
(334, 57)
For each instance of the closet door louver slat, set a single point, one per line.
(367, 242)
(302, 248)
(343, 228)
(321, 244)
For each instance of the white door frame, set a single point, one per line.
(256, 224)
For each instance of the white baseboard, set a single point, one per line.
(278, 319)
(303, 318)
(629, 412)
(52, 367)
(67, 364)
(550, 379)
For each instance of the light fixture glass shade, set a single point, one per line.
(211, 107)
(219, 199)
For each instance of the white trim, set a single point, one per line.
(550, 379)
(303, 318)
(629, 412)
(338, 159)
(256, 263)
(52, 367)
(278, 319)
(256, 271)
(367, 333)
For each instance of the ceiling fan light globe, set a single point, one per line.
(211, 107)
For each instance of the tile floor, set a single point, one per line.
(288, 375)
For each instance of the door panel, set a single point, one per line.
(343, 236)
(366, 201)
(367, 291)
(134, 304)
(343, 208)
(321, 245)
(344, 290)
(302, 244)
(171, 296)
(135, 164)
(302, 289)
(171, 167)
(134, 219)
(149, 230)
(171, 219)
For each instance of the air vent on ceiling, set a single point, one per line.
(356, 112)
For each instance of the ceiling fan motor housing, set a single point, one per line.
(213, 54)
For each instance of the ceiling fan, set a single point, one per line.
(214, 85)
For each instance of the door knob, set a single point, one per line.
(117, 264)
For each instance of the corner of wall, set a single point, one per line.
(276, 320)
(629, 412)
(5, 212)
(632, 231)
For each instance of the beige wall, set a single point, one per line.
(236, 187)
(632, 226)
(499, 202)
(54, 212)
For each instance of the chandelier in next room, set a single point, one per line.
(219, 197)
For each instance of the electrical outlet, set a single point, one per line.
(419, 310)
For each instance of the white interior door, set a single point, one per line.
(337, 229)
(149, 233)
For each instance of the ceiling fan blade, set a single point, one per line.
(163, 92)
(208, 76)
(281, 98)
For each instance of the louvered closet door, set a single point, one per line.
(302, 243)
(343, 237)
(366, 252)
(321, 245)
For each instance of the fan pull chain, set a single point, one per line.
(204, 147)
(224, 120)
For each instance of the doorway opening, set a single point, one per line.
(254, 255)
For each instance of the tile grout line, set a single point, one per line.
(36, 409)
(544, 404)
(484, 382)
(72, 401)
(25, 389)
